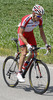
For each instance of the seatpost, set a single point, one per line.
(17, 47)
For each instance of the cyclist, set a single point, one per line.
(26, 36)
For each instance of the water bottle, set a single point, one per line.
(24, 65)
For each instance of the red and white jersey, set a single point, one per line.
(28, 23)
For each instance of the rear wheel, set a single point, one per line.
(39, 77)
(10, 70)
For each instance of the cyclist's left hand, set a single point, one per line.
(48, 47)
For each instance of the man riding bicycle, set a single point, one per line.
(26, 36)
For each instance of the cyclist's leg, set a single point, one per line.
(21, 61)
(22, 57)
(23, 53)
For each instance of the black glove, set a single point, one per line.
(49, 48)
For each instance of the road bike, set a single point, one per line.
(39, 75)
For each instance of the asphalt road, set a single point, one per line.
(23, 90)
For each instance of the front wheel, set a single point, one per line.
(39, 77)
(10, 69)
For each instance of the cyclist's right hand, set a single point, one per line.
(29, 47)
(48, 47)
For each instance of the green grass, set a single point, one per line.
(11, 12)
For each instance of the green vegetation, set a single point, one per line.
(11, 12)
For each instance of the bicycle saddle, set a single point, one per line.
(14, 39)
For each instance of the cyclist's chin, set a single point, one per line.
(37, 19)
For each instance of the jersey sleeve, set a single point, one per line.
(25, 21)
(40, 22)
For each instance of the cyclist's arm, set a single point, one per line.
(42, 34)
(21, 35)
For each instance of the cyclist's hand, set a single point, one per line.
(29, 47)
(48, 47)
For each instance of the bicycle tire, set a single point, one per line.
(6, 64)
(37, 88)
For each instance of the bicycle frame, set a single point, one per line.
(33, 58)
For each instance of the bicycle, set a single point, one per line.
(39, 76)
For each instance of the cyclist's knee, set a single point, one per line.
(23, 52)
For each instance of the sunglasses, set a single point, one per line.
(38, 15)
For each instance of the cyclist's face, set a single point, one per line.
(36, 17)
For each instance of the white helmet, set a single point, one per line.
(38, 9)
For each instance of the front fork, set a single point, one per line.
(37, 68)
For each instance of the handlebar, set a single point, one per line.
(36, 48)
(47, 51)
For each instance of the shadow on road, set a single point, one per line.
(28, 88)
